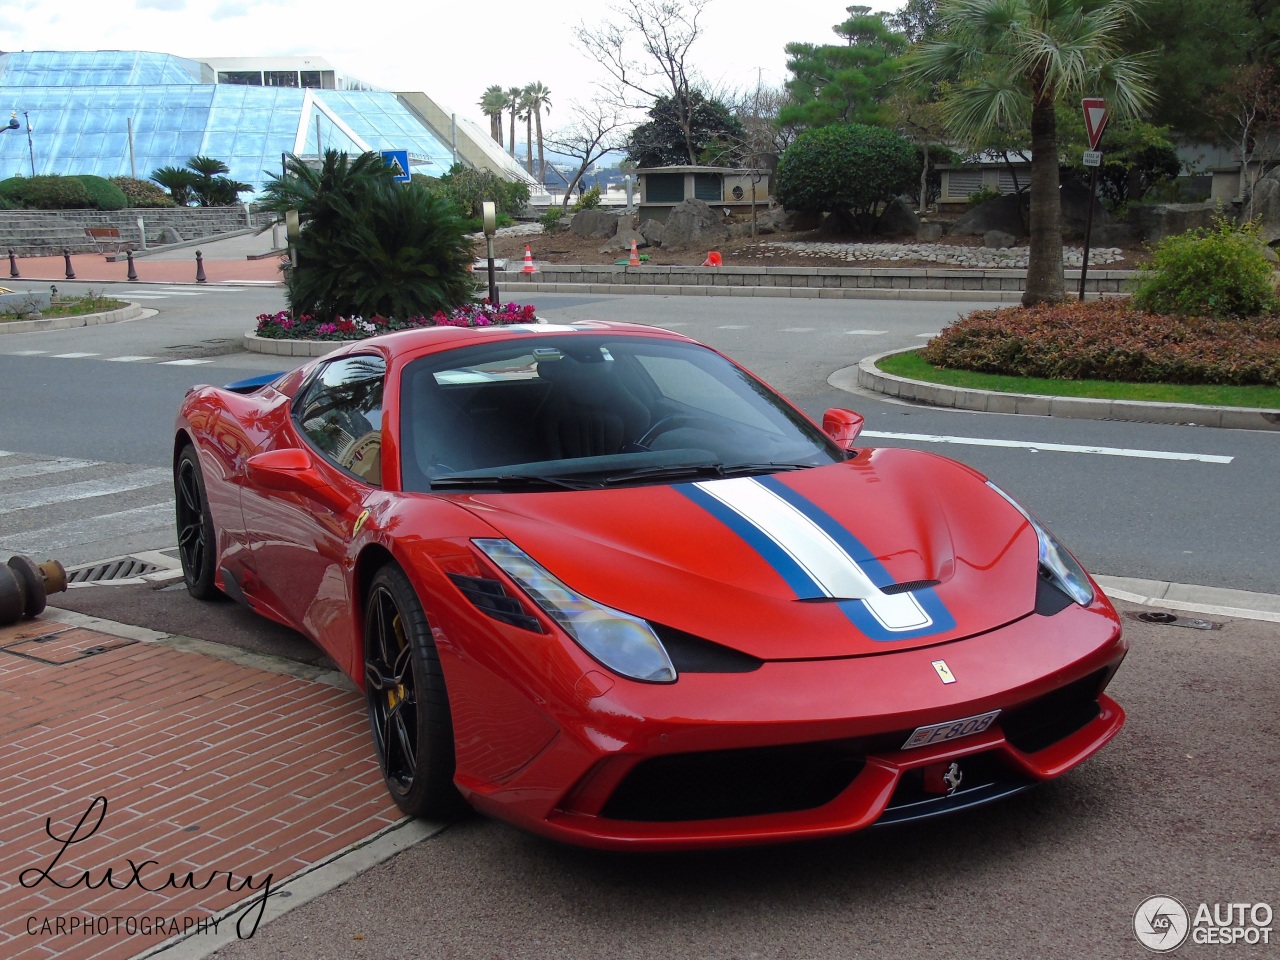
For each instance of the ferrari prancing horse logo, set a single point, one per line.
(944, 672)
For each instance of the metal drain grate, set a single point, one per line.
(121, 569)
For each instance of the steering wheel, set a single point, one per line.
(670, 422)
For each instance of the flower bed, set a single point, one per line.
(1110, 340)
(284, 326)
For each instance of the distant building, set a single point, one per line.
(129, 112)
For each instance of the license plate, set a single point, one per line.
(938, 732)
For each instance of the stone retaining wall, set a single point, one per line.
(49, 232)
(830, 282)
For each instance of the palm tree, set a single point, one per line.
(493, 103)
(1010, 62)
(514, 96)
(539, 100)
(179, 181)
(526, 114)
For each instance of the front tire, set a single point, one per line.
(197, 539)
(408, 707)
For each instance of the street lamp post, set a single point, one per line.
(31, 150)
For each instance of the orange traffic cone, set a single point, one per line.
(713, 259)
(528, 261)
(635, 255)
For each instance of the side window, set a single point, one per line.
(341, 414)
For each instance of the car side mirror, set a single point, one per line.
(842, 426)
(292, 470)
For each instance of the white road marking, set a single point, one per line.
(1051, 447)
(72, 356)
(797, 330)
(926, 336)
(106, 526)
(133, 359)
(733, 326)
(26, 353)
(865, 333)
(182, 363)
(60, 465)
(138, 479)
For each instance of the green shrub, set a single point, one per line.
(468, 189)
(142, 193)
(551, 217)
(50, 193)
(1219, 273)
(979, 197)
(846, 167)
(587, 200)
(104, 194)
(1109, 340)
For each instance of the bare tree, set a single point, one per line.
(645, 50)
(593, 131)
(1247, 111)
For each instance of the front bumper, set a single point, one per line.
(805, 749)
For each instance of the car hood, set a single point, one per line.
(891, 549)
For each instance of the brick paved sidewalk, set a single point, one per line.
(188, 765)
(94, 267)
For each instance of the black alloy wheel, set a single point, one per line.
(197, 544)
(408, 706)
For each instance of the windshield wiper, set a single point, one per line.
(508, 481)
(693, 470)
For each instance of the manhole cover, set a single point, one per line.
(1165, 619)
(121, 569)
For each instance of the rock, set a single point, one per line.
(651, 230)
(1075, 208)
(164, 235)
(1115, 235)
(929, 232)
(775, 220)
(1266, 206)
(1000, 213)
(693, 225)
(597, 224)
(898, 220)
(998, 240)
(1169, 219)
(621, 242)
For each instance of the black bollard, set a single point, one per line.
(71, 273)
(200, 277)
(13, 265)
(133, 274)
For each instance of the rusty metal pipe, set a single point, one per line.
(25, 585)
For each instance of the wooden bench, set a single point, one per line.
(108, 239)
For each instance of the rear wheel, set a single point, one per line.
(408, 707)
(197, 543)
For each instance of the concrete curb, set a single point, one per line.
(130, 311)
(870, 377)
(290, 348)
(1215, 601)
(785, 293)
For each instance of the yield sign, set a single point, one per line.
(1095, 119)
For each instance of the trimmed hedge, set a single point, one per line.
(143, 193)
(77, 192)
(104, 194)
(1110, 340)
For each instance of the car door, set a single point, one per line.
(301, 540)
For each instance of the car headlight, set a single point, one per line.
(1057, 565)
(623, 643)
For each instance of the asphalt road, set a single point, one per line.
(1126, 514)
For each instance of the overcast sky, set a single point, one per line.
(450, 50)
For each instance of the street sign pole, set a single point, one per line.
(1088, 227)
(1095, 122)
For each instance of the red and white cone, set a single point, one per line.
(635, 255)
(528, 261)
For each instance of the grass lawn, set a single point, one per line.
(71, 307)
(910, 365)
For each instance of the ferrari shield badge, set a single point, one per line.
(364, 515)
(944, 672)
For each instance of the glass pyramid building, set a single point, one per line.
(128, 113)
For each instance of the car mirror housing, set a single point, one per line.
(842, 426)
(292, 470)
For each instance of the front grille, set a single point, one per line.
(983, 778)
(735, 783)
(1047, 719)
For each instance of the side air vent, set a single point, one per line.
(491, 599)
(911, 586)
(690, 654)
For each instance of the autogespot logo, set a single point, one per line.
(1161, 924)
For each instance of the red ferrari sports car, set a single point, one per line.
(601, 582)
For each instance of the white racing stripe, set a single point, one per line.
(1051, 447)
(834, 573)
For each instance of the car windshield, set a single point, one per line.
(575, 411)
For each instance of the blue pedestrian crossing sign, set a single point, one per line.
(398, 161)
